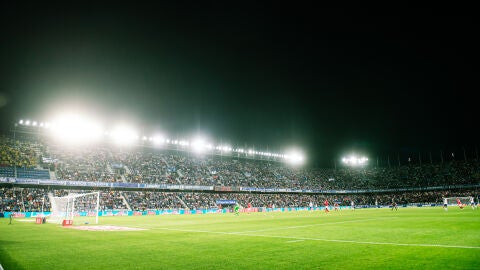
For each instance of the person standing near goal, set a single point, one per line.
(445, 204)
(472, 203)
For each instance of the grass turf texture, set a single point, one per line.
(411, 238)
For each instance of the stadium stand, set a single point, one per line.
(34, 158)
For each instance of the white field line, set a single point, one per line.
(294, 241)
(288, 227)
(313, 225)
(324, 240)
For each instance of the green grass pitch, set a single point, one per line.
(410, 238)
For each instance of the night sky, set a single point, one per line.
(329, 81)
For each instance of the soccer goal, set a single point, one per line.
(84, 207)
(459, 201)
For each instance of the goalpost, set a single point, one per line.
(85, 205)
(458, 201)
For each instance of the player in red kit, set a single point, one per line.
(460, 204)
(325, 203)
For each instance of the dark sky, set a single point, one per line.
(329, 81)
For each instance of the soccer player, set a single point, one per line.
(459, 203)
(352, 204)
(237, 210)
(310, 206)
(325, 203)
(335, 206)
(472, 203)
(394, 205)
(445, 204)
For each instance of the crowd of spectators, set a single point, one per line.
(154, 166)
(20, 154)
(36, 199)
(146, 165)
(107, 163)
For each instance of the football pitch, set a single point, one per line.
(410, 238)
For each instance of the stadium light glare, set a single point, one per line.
(294, 157)
(353, 160)
(199, 145)
(20, 122)
(75, 128)
(158, 139)
(27, 123)
(124, 135)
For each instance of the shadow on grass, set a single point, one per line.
(6, 261)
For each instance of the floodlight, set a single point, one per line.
(158, 139)
(294, 157)
(20, 122)
(199, 145)
(34, 123)
(74, 128)
(27, 122)
(355, 161)
(124, 135)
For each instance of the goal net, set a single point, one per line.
(83, 207)
(459, 201)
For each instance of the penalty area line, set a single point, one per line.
(293, 238)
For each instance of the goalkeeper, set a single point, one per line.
(236, 209)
